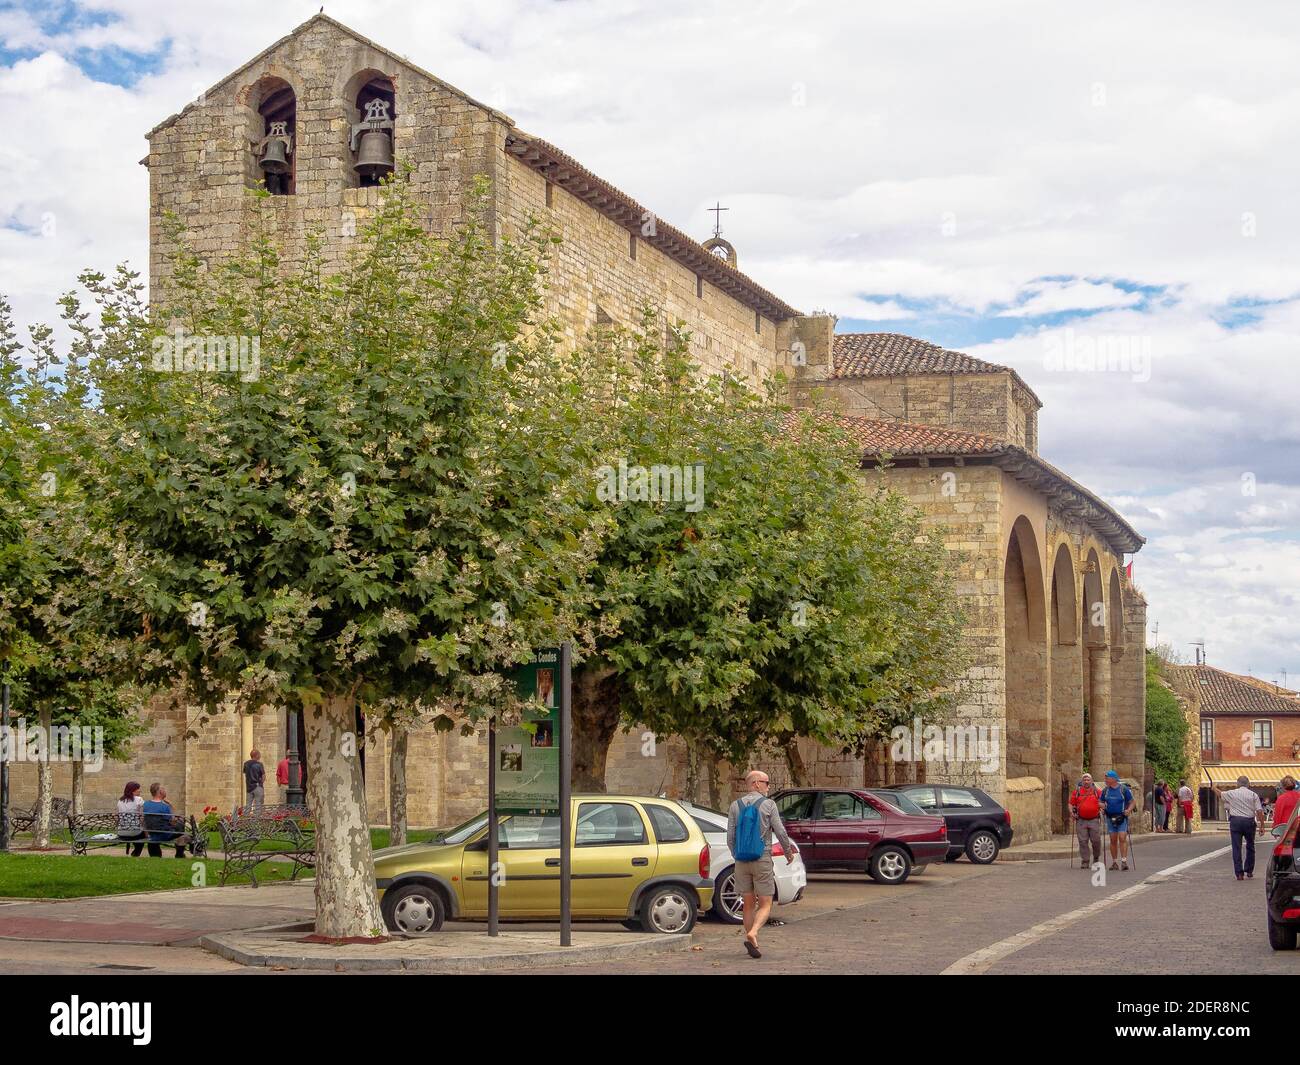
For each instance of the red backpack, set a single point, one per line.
(1087, 803)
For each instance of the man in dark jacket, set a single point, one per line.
(255, 780)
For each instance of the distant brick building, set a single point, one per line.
(1248, 727)
(1055, 625)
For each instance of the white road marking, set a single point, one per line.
(983, 960)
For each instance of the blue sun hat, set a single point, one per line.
(1111, 775)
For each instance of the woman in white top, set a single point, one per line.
(130, 818)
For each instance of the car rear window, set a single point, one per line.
(667, 825)
(958, 797)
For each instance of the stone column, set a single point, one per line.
(1099, 710)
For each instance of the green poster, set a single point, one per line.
(528, 754)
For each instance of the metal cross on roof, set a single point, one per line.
(717, 218)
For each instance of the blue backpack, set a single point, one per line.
(749, 833)
(1117, 799)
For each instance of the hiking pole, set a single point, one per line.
(1132, 857)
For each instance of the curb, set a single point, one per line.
(460, 964)
(1009, 854)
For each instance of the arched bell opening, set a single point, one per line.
(1028, 707)
(274, 155)
(372, 114)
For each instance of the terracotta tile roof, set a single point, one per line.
(901, 440)
(898, 355)
(1220, 692)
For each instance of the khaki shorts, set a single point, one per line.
(756, 878)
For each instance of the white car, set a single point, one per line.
(791, 877)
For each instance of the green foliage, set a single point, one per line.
(1166, 726)
(793, 600)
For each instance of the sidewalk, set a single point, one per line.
(1065, 846)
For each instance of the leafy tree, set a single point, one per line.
(786, 600)
(366, 513)
(1167, 727)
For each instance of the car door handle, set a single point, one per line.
(553, 862)
(640, 861)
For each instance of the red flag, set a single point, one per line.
(1128, 571)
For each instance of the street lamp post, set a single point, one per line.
(5, 744)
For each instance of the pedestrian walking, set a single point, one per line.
(255, 780)
(751, 821)
(1245, 819)
(1286, 800)
(1169, 807)
(1085, 812)
(1117, 801)
(1158, 805)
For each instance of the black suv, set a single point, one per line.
(1282, 887)
(977, 826)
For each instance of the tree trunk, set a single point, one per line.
(397, 787)
(44, 786)
(692, 773)
(595, 720)
(346, 906)
(78, 786)
(794, 763)
(715, 784)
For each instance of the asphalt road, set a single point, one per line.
(1174, 914)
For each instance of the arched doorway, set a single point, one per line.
(1096, 667)
(1067, 683)
(1028, 706)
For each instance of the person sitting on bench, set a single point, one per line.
(160, 822)
(130, 824)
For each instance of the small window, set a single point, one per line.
(1207, 734)
(923, 797)
(529, 833)
(631, 245)
(758, 322)
(605, 824)
(841, 806)
(668, 826)
(958, 797)
(797, 806)
(1263, 735)
(699, 287)
(550, 195)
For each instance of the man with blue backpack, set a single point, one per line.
(750, 823)
(1117, 803)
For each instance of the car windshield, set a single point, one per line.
(898, 801)
(461, 833)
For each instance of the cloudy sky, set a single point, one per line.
(1029, 184)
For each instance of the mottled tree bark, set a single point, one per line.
(346, 905)
(397, 786)
(595, 720)
(44, 786)
(78, 786)
(794, 762)
(715, 783)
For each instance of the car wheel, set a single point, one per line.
(1280, 936)
(670, 909)
(982, 848)
(889, 865)
(414, 909)
(728, 904)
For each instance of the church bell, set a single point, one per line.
(374, 155)
(274, 160)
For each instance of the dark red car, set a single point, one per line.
(854, 829)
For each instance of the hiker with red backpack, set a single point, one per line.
(1117, 804)
(750, 823)
(1085, 809)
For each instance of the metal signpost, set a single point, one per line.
(530, 769)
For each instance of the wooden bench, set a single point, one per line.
(245, 839)
(95, 831)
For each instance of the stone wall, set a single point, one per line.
(1027, 798)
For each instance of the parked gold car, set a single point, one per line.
(637, 859)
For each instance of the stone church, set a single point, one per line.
(1054, 623)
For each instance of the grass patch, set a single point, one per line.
(63, 876)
